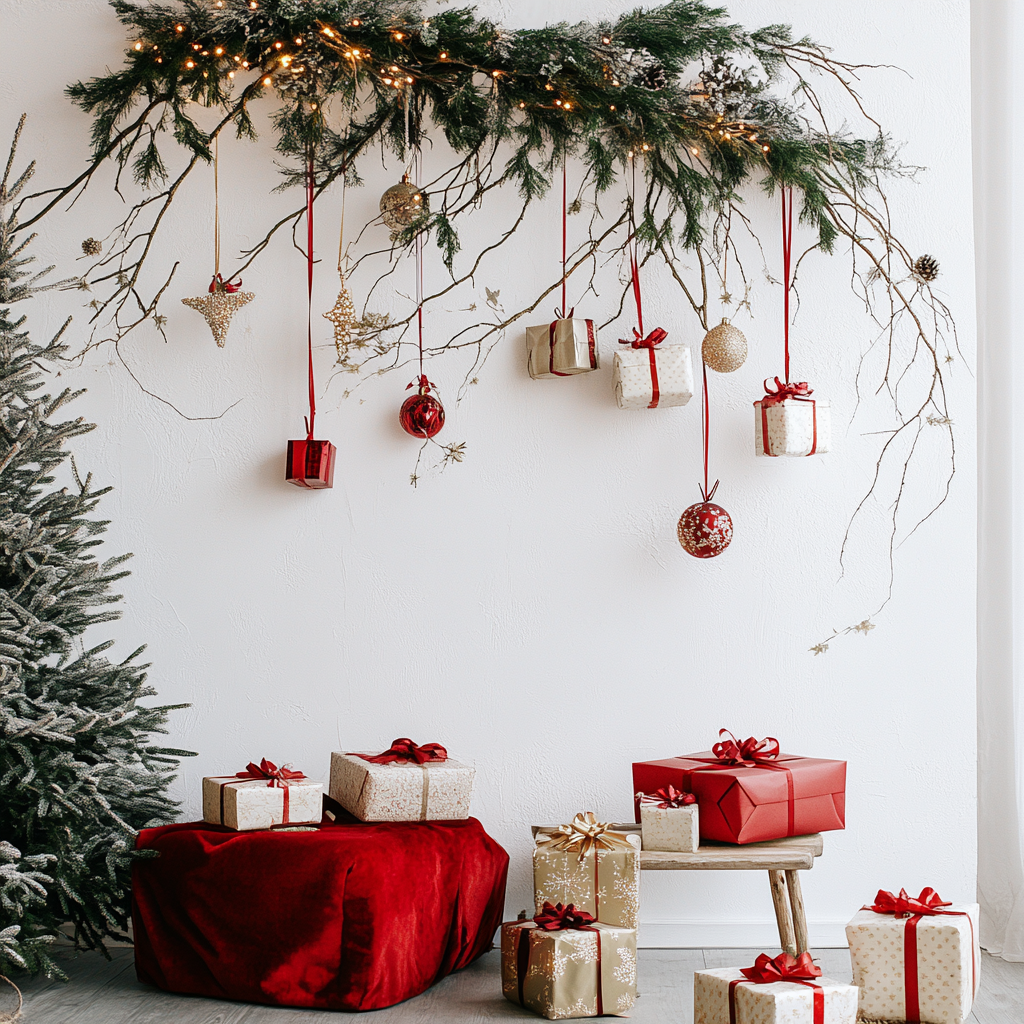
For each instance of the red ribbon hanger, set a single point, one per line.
(310, 195)
(560, 311)
(785, 390)
(785, 967)
(787, 259)
(668, 797)
(928, 904)
(404, 749)
(658, 334)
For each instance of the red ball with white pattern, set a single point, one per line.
(705, 529)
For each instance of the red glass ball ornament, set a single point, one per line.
(421, 415)
(705, 529)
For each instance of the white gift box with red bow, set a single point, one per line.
(670, 821)
(788, 422)
(914, 965)
(260, 797)
(649, 375)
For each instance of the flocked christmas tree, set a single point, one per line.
(78, 775)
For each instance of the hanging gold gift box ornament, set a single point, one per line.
(402, 205)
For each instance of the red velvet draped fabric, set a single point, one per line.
(353, 916)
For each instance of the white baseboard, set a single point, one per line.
(733, 934)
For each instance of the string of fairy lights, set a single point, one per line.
(287, 56)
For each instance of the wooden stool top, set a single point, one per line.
(794, 853)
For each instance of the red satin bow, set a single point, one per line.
(405, 750)
(669, 797)
(656, 337)
(750, 751)
(785, 967)
(905, 905)
(782, 391)
(218, 284)
(556, 917)
(268, 770)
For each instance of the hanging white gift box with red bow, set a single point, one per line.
(649, 375)
(564, 347)
(787, 421)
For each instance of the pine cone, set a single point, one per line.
(926, 268)
(91, 247)
(652, 78)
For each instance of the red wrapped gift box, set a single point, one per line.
(753, 798)
(311, 464)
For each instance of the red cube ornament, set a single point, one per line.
(311, 464)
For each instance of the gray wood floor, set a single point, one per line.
(103, 992)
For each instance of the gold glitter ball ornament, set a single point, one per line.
(218, 307)
(402, 205)
(724, 348)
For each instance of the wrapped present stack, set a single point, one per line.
(915, 958)
(783, 990)
(261, 797)
(406, 782)
(577, 956)
(749, 792)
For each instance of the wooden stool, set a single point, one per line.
(783, 859)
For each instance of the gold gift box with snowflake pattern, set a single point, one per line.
(591, 866)
(569, 972)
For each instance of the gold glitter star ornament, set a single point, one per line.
(343, 316)
(219, 305)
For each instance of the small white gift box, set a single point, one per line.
(561, 348)
(401, 790)
(251, 803)
(655, 377)
(790, 423)
(668, 823)
(916, 966)
(777, 1002)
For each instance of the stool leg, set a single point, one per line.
(786, 938)
(796, 899)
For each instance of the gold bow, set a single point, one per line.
(583, 834)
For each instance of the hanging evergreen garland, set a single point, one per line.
(707, 107)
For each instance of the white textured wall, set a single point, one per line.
(531, 608)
